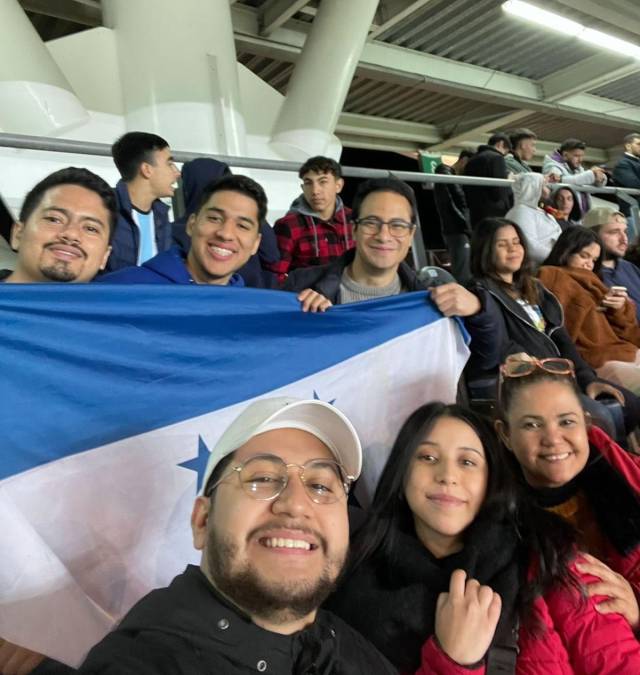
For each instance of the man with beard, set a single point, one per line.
(615, 271)
(272, 527)
(64, 229)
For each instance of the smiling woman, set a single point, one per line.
(456, 572)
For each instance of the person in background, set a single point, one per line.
(626, 172)
(452, 209)
(149, 174)
(565, 207)
(523, 150)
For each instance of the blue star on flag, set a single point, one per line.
(199, 463)
(317, 398)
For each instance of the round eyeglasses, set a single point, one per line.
(265, 477)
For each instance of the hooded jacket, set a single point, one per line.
(188, 629)
(555, 163)
(126, 238)
(599, 336)
(540, 228)
(165, 268)
(305, 240)
(486, 201)
(196, 175)
(516, 165)
(575, 216)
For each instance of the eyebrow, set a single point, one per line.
(460, 447)
(69, 214)
(540, 417)
(216, 209)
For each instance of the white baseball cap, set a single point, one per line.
(321, 419)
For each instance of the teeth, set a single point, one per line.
(221, 251)
(278, 542)
(556, 458)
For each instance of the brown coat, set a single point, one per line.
(612, 335)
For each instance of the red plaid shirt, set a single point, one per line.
(305, 241)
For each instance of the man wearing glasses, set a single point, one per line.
(272, 527)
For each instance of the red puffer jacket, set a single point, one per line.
(629, 466)
(578, 640)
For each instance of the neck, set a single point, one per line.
(327, 214)
(140, 194)
(609, 262)
(507, 277)
(200, 276)
(439, 545)
(364, 275)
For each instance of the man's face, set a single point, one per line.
(633, 147)
(527, 149)
(614, 237)
(320, 191)
(224, 233)
(383, 251)
(573, 157)
(66, 238)
(273, 557)
(564, 201)
(162, 173)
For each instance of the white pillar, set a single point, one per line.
(179, 72)
(35, 97)
(321, 78)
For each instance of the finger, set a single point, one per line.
(495, 608)
(615, 605)
(457, 584)
(596, 568)
(442, 601)
(617, 394)
(304, 294)
(485, 597)
(605, 588)
(471, 590)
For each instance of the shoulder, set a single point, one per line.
(306, 277)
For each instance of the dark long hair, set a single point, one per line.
(483, 259)
(542, 534)
(571, 241)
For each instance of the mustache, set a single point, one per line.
(264, 530)
(66, 243)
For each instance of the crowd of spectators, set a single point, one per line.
(506, 548)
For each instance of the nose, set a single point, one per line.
(445, 473)
(293, 500)
(384, 233)
(71, 231)
(226, 231)
(551, 435)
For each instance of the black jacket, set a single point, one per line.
(451, 204)
(627, 174)
(513, 332)
(187, 629)
(325, 279)
(487, 201)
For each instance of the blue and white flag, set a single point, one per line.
(112, 396)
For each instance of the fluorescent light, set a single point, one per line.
(600, 39)
(553, 21)
(547, 19)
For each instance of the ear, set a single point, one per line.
(503, 432)
(106, 257)
(199, 519)
(146, 169)
(339, 185)
(191, 221)
(16, 235)
(256, 246)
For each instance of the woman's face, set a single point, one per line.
(546, 431)
(508, 252)
(564, 201)
(446, 484)
(585, 258)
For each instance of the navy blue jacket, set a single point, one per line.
(165, 268)
(126, 239)
(627, 174)
(625, 274)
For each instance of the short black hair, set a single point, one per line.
(134, 148)
(521, 134)
(572, 144)
(573, 240)
(499, 137)
(466, 154)
(629, 138)
(384, 185)
(218, 471)
(237, 183)
(72, 175)
(320, 164)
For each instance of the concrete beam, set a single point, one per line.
(392, 12)
(274, 13)
(383, 128)
(586, 75)
(82, 12)
(605, 11)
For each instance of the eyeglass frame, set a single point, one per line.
(410, 229)
(346, 479)
(538, 364)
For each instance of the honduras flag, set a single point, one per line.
(111, 398)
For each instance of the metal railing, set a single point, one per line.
(44, 143)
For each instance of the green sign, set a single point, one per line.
(430, 162)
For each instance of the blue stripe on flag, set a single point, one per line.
(86, 365)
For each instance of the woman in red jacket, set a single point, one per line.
(450, 551)
(576, 471)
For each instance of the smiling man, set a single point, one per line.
(224, 232)
(273, 530)
(64, 230)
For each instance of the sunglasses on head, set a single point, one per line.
(524, 367)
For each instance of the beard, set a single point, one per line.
(279, 601)
(59, 271)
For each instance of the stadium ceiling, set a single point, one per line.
(438, 75)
